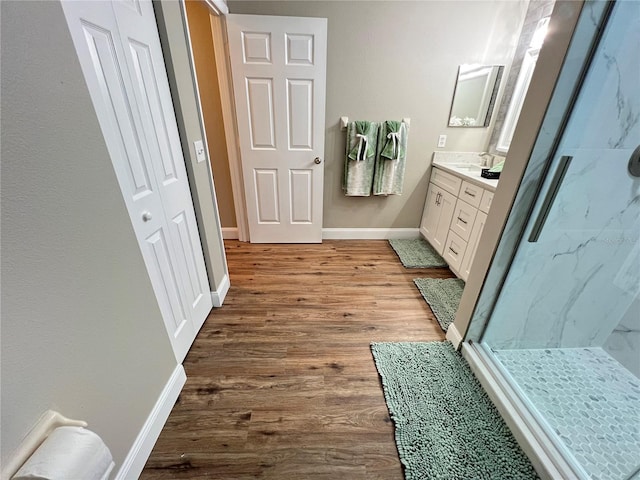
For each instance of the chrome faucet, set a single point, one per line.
(487, 159)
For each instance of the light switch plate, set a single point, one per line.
(442, 141)
(200, 156)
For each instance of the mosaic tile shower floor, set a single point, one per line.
(589, 399)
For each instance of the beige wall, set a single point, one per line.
(81, 328)
(396, 59)
(205, 62)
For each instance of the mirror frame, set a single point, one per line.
(486, 103)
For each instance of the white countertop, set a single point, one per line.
(470, 174)
(462, 165)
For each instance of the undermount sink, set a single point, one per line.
(472, 167)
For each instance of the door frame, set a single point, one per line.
(218, 10)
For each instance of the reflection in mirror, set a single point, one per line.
(475, 95)
(522, 85)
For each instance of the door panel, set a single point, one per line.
(447, 206)
(279, 69)
(267, 197)
(161, 267)
(429, 223)
(119, 51)
(260, 100)
(301, 196)
(300, 118)
(299, 49)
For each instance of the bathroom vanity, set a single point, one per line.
(456, 208)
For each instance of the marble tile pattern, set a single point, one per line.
(624, 342)
(572, 287)
(588, 399)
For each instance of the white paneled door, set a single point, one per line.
(279, 75)
(119, 50)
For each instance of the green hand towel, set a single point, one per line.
(390, 161)
(393, 149)
(497, 167)
(366, 136)
(360, 158)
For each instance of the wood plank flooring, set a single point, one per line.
(281, 382)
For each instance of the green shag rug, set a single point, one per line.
(445, 425)
(443, 296)
(417, 253)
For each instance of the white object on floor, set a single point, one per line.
(68, 452)
(49, 421)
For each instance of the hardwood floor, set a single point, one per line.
(281, 382)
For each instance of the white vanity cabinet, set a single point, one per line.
(439, 208)
(437, 216)
(454, 216)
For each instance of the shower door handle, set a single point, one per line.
(558, 177)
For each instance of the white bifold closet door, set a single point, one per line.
(119, 50)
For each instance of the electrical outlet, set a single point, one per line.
(200, 156)
(442, 141)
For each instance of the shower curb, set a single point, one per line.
(547, 457)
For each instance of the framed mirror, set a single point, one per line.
(475, 95)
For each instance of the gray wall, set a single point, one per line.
(81, 329)
(395, 59)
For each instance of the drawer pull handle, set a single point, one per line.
(463, 221)
(438, 198)
(471, 194)
(454, 252)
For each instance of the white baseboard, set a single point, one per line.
(230, 233)
(144, 443)
(217, 297)
(368, 233)
(453, 335)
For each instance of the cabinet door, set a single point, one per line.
(454, 251)
(446, 205)
(472, 246)
(431, 213)
(463, 217)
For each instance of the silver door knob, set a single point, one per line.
(146, 216)
(317, 161)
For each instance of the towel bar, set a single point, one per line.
(344, 121)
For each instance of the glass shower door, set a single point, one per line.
(566, 326)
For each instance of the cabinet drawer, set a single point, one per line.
(485, 202)
(463, 217)
(470, 193)
(445, 180)
(454, 251)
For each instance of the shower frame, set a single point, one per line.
(536, 438)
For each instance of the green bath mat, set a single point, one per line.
(445, 425)
(417, 253)
(443, 296)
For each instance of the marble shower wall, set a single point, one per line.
(573, 286)
(624, 342)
